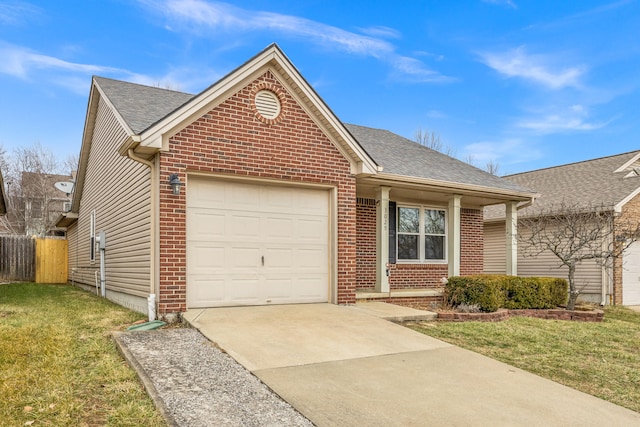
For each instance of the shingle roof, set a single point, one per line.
(141, 106)
(589, 183)
(401, 156)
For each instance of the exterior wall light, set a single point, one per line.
(175, 183)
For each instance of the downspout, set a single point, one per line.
(151, 300)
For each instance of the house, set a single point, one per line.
(35, 204)
(611, 182)
(253, 192)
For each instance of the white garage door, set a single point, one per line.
(250, 244)
(631, 275)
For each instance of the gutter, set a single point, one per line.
(153, 286)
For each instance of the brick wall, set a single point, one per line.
(233, 139)
(403, 276)
(472, 241)
(366, 244)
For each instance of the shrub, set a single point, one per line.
(491, 292)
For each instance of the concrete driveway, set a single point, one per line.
(340, 366)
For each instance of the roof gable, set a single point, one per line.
(605, 181)
(400, 156)
(157, 135)
(140, 106)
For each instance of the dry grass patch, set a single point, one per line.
(58, 365)
(602, 359)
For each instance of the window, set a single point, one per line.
(36, 209)
(422, 234)
(92, 236)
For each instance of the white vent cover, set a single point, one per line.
(267, 104)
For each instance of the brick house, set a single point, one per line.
(611, 183)
(274, 201)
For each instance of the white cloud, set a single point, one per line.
(26, 64)
(574, 118)
(381, 31)
(507, 3)
(17, 12)
(509, 151)
(210, 17)
(537, 68)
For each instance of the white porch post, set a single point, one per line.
(511, 229)
(453, 236)
(382, 239)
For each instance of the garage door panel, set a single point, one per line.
(312, 229)
(205, 291)
(243, 226)
(239, 258)
(206, 258)
(312, 259)
(250, 244)
(279, 229)
(631, 275)
(210, 225)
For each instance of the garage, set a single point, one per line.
(631, 275)
(251, 243)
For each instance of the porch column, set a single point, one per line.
(453, 236)
(382, 239)
(511, 229)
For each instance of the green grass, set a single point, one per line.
(602, 359)
(58, 364)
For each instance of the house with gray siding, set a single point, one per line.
(610, 183)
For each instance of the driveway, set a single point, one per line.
(341, 366)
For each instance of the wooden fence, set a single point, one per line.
(28, 259)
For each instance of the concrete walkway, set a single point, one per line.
(347, 366)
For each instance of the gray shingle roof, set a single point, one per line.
(141, 106)
(589, 183)
(400, 156)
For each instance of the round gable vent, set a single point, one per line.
(267, 104)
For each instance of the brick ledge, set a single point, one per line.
(399, 293)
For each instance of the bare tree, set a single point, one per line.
(432, 140)
(33, 202)
(575, 233)
(493, 167)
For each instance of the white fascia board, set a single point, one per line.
(158, 135)
(629, 163)
(456, 186)
(363, 163)
(618, 207)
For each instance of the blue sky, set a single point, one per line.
(526, 84)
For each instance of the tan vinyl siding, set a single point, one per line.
(494, 249)
(588, 274)
(119, 189)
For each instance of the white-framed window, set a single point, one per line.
(92, 236)
(421, 234)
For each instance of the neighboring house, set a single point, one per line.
(35, 204)
(610, 182)
(277, 201)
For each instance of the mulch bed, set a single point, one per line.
(503, 314)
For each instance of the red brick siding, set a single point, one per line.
(403, 276)
(366, 244)
(232, 139)
(472, 241)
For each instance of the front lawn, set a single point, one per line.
(58, 365)
(602, 359)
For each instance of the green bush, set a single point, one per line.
(491, 292)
